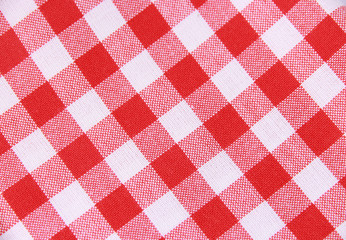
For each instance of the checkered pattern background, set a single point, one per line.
(170, 119)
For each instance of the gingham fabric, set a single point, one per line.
(172, 119)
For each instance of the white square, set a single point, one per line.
(88, 110)
(282, 37)
(34, 150)
(342, 230)
(323, 85)
(193, 31)
(220, 172)
(180, 121)
(232, 80)
(127, 161)
(240, 4)
(141, 71)
(18, 231)
(315, 179)
(15, 11)
(330, 5)
(51, 58)
(262, 223)
(166, 213)
(272, 130)
(104, 19)
(7, 97)
(114, 236)
(72, 202)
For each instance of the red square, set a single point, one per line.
(60, 13)
(96, 65)
(80, 156)
(198, 3)
(119, 207)
(319, 133)
(226, 126)
(173, 166)
(149, 25)
(343, 182)
(237, 34)
(43, 104)
(214, 218)
(310, 224)
(285, 5)
(4, 145)
(186, 76)
(12, 51)
(134, 115)
(268, 176)
(326, 38)
(64, 234)
(277, 83)
(24, 196)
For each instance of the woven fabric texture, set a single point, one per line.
(172, 119)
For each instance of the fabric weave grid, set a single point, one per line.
(201, 119)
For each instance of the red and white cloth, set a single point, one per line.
(201, 119)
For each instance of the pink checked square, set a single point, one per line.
(107, 135)
(118, 83)
(206, 101)
(193, 192)
(16, 124)
(99, 182)
(212, 55)
(11, 170)
(36, 222)
(161, 96)
(25, 78)
(91, 225)
(158, 136)
(249, 146)
(141, 227)
(61, 130)
(7, 215)
(146, 187)
(78, 38)
(334, 110)
(123, 45)
(302, 61)
(186, 230)
(224, 8)
(257, 59)
(298, 108)
(200, 146)
(167, 51)
(252, 104)
(131, 8)
(262, 15)
(333, 158)
(336, 195)
(336, 63)
(293, 154)
(241, 197)
(70, 84)
(289, 201)
(305, 15)
(33, 40)
(174, 12)
(55, 181)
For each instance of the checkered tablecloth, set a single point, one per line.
(172, 119)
